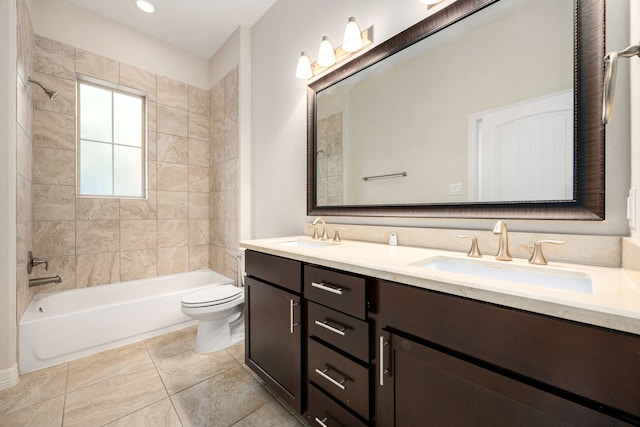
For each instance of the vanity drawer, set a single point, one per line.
(343, 292)
(325, 411)
(274, 269)
(343, 378)
(342, 331)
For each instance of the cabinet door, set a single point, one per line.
(274, 339)
(431, 388)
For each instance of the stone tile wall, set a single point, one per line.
(224, 175)
(329, 161)
(94, 241)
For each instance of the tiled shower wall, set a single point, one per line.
(24, 136)
(224, 175)
(93, 241)
(329, 161)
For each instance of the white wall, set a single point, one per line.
(8, 367)
(67, 23)
(279, 114)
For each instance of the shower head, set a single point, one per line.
(50, 93)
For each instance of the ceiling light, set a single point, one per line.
(326, 54)
(352, 41)
(145, 6)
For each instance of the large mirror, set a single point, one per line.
(485, 109)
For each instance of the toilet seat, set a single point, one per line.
(213, 296)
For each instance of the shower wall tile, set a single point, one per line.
(152, 145)
(139, 209)
(97, 269)
(173, 232)
(63, 103)
(173, 205)
(24, 105)
(53, 166)
(97, 236)
(65, 267)
(217, 177)
(231, 263)
(217, 151)
(152, 178)
(54, 58)
(216, 258)
(95, 208)
(198, 126)
(231, 143)
(98, 66)
(230, 181)
(54, 238)
(173, 93)
(24, 200)
(138, 264)
(231, 234)
(173, 177)
(26, 41)
(198, 153)
(172, 120)
(137, 78)
(217, 231)
(198, 101)
(198, 257)
(173, 260)
(216, 204)
(198, 232)
(54, 202)
(152, 116)
(216, 98)
(54, 130)
(198, 179)
(138, 234)
(198, 205)
(230, 205)
(172, 149)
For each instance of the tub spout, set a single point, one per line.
(44, 280)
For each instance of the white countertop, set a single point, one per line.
(614, 303)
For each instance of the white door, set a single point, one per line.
(523, 151)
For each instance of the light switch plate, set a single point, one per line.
(632, 207)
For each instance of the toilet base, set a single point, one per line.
(214, 335)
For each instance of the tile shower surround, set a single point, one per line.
(189, 220)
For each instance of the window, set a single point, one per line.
(111, 142)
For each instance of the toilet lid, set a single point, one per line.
(213, 295)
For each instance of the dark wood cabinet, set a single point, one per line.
(274, 325)
(444, 360)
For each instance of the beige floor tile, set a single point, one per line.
(237, 352)
(172, 343)
(222, 400)
(43, 414)
(107, 364)
(270, 415)
(161, 414)
(113, 398)
(189, 368)
(34, 387)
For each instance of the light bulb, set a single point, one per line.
(352, 41)
(326, 54)
(304, 71)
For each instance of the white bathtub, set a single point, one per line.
(62, 326)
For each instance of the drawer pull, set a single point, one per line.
(292, 325)
(327, 326)
(325, 287)
(383, 371)
(322, 422)
(337, 383)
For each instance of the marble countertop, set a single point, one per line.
(614, 303)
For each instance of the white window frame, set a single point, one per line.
(114, 88)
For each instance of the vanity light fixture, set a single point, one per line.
(145, 6)
(354, 40)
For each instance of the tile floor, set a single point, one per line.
(157, 382)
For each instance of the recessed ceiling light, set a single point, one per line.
(145, 6)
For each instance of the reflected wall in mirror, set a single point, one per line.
(470, 113)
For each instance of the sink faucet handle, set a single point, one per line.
(474, 250)
(336, 235)
(537, 257)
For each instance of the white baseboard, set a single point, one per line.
(9, 377)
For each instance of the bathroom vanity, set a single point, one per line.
(359, 334)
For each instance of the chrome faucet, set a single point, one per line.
(315, 228)
(503, 244)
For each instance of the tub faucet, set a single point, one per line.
(315, 228)
(503, 244)
(34, 262)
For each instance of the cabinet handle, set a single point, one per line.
(292, 325)
(326, 325)
(337, 383)
(322, 422)
(325, 287)
(382, 370)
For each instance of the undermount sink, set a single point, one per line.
(546, 277)
(306, 244)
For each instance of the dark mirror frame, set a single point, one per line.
(589, 164)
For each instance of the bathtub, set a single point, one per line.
(62, 326)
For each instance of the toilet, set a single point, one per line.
(219, 309)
